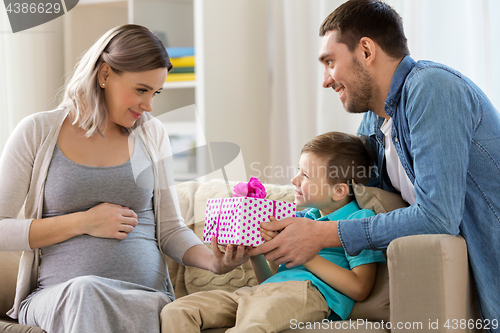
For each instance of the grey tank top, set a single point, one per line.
(71, 187)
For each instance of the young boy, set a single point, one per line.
(324, 287)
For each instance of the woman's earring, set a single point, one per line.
(103, 84)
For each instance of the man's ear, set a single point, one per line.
(367, 49)
(340, 191)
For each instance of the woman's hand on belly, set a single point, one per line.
(104, 221)
(109, 221)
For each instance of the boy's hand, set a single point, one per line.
(267, 235)
(224, 262)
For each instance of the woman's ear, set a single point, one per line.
(340, 191)
(103, 74)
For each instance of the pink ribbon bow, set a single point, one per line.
(252, 189)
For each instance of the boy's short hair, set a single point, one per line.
(346, 157)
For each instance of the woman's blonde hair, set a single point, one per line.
(127, 48)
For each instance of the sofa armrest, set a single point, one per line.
(430, 281)
(9, 264)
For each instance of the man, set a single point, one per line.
(435, 137)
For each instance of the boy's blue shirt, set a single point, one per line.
(338, 302)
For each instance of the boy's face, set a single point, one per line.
(311, 185)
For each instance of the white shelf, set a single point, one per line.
(179, 84)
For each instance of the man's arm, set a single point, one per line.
(441, 120)
(299, 240)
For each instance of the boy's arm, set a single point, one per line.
(259, 262)
(356, 283)
(261, 268)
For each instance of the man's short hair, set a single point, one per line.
(346, 157)
(368, 18)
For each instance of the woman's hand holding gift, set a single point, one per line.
(234, 256)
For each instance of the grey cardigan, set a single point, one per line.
(23, 168)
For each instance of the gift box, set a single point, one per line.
(237, 220)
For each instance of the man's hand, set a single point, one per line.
(299, 240)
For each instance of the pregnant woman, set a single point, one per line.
(100, 205)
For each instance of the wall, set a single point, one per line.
(31, 67)
(236, 76)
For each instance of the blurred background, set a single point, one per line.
(254, 77)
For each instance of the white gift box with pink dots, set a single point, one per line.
(237, 220)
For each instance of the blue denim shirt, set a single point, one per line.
(447, 135)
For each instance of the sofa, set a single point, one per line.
(425, 284)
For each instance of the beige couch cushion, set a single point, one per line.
(377, 306)
(186, 192)
(376, 199)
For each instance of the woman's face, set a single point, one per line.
(129, 94)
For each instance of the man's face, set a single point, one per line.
(345, 74)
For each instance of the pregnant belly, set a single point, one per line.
(136, 259)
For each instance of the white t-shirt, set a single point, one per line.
(397, 174)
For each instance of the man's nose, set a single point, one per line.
(327, 79)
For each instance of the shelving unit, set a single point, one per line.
(179, 84)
